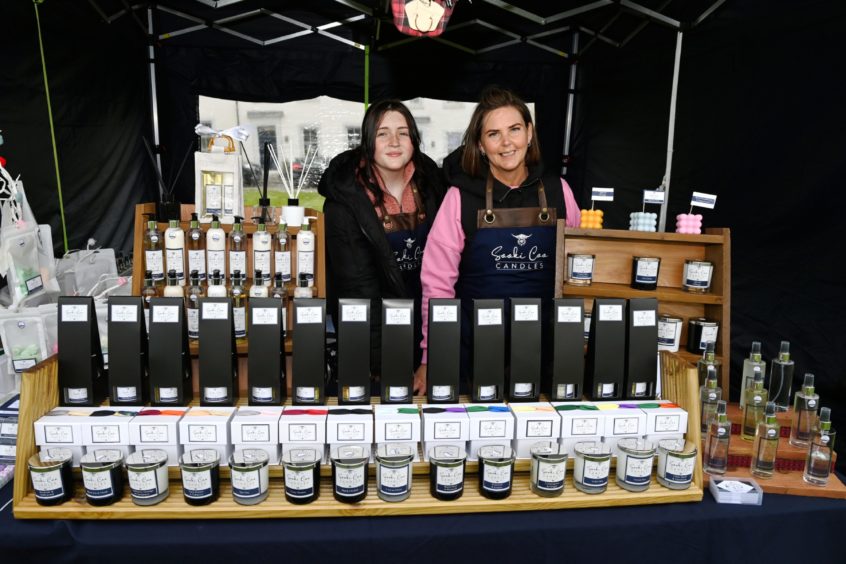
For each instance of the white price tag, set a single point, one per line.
(309, 315)
(215, 310)
(490, 316)
(397, 316)
(525, 313)
(610, 313)
(702, 200)
(265, 316)
(75, 313)
(444, 314)
(165, 314)
(602, 194)
(125, 313)
(653, 197)
(569, 314)
(643, 318)
(354, 313)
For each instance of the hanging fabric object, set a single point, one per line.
(427, 18)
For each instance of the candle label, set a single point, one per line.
(309, 315)
(237, 261)
(678, 469)
(143, 484)
(487, 393)
(169, 394)
(667, 332)
(525, 312)
(282, 263)
(299, 483)
(393, 481)
(569, 314)
(305, 393)
(447, 430)
(491, 429)
(47, 485)
(202, 433)
(441, 393)
(625, 425)
(638, 470)
(217, 261)
(538, 428)
(449, 480)
(239, 320)
(444, 314)
(398, 393)
(165, 314)
(522, 390)
(354, 313)
(667, 423)
(215, 310)
(58, 434)
(302, 433)
(647, 271)
(197, 485)
(153, 433)
(216, 393)
(549, 475)
(255, 433)
(398, 431)
(583, 426)
(397, 316)
(350, 432)
(105, 434)
(127, 393)
(98, 484)
(489, 317)
(698, 275)
(125, 313)
(602, 194)
(643, 318)
(496, 478)
(197, 261)
(10, 430)
(595, 473)
(245, 484)
(77, 395)
(610, 313)
(582, 268)
(262, 393)
(708, 334)
(350, 482)
(22, 364)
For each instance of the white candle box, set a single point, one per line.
(257, 427)
(622, 422)
(207, 428)
(534, 422)
(62, 427)
(580, 425)
(109, 431)
(392, 424)
(160, 431)
(320, 447)
(445, 427)
(493, 426)
(666, 422)
(350, 428)
(429, 445)
(303, 428)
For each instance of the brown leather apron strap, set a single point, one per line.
(515, 217)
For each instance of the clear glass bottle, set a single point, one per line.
(765, 448)
(709, 358)
(154, 252)
(715, 460)
(237, 250)
(282, 253)
(781, 378)
(818, 463)
(804, 414)
(216, 287)
(173, 289)
(175, 249)
(748, 368)
(196, 244)
(262, 245)
(239, 304)
(147, 292)
(709, 394)
(756, 401)
(216, 247)
(258, 289)
(195, 292)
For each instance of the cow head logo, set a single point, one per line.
(521, 238)
(409, 243)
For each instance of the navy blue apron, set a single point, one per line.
(406, 234)
(511, 255)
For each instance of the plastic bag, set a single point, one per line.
(21, 250)
(218, 185)
(49, 314)
(81, 273)
(24, 339)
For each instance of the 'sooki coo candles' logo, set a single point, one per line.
(521, 256)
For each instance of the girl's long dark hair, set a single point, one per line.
(369, 128)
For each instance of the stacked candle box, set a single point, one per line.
(207, 429)
(398, 423)
(8, 439)
(303, 428)
(84, 429)
(158, 428)
(664, 420)
(257, 428)
(350, 426)
(534, 422)
(445, 425)
(490, 424)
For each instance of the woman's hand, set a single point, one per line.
(420, 380)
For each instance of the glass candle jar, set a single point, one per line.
(442, 394)
(249, 474)
(699, 332)
(393, 471)
(696, 276)
(645, 272)
(496, 471)
(549, 468)
(446, 472)
(580, 269)
(52, 476)
(302, 475)
(102, 476)
(200, 476)
(146, 472)
(634, 464)
(676, 461)
(591, 466)
(349, 472)
(669, 333)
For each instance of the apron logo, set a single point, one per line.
(410, 257)
(521, 239)
(409, 243)
(520, 257)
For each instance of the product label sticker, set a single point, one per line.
(397, 316)
(202, 433)
(350, 432)
(22, 364)
(265, 316)
(176, 261)
(197, 261)
(569, 314)
(679, 470)
(282, 262)
(647, 271)
(487, 393)
(489, 317)
(245, 484)
(702, 200)
(74, 313)
(654, 197)
(449, 480)
(625, 425)
(193, 317)
(602, 194)
(143, 484)
(215, 393)
(105, 434)
(215, 310)
(538, 428)
(154, 262)
(667, 423)
(398, 431)
(153, 433)
(441, 393)
(350, 482)
(262, 393)
(217, 261)
(228, 198)
(708, 334)
(491, 429)
(595, 474)
(496, 478)
(299, 483)
(124, 313)
(258, 433)
(583, 426)
(165, 314)
(643, 318)
(47, 485)
(97, 484)
(444, 430)
(393, 481)
(610, 313)
(237, 261)
(526, 313)
(444, 314)
(34, 284)
(197, 485)
(239, 321)
(305, 262)
(8, 430)
(168, 394)
(638, 470)
(581, 268)
(261, 261)
(398, 393)
(354, 313)
(214, 199)
(549, 476)
(77, 395)
(58, 434)
(302, 433)
(309, 315)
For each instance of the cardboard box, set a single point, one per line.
(392, 426)
(580, 425)
(622, 422)
(203, 428)
(257, 428)
(350, 428)
(568, 364)
(495, 425)
(110, 431)
(158, 432)
(534, 422)
(303, 428)
(62, 427)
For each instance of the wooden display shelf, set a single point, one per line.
(612, 290)
(735, 415)
(789, 483)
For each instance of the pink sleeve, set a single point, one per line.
(441, 258)
(574, 214)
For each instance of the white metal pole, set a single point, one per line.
(571, 100)
(153, 97)
(671, 134)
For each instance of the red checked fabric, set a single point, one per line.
(422, 17)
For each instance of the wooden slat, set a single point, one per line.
(613, 290)
(711, 236)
